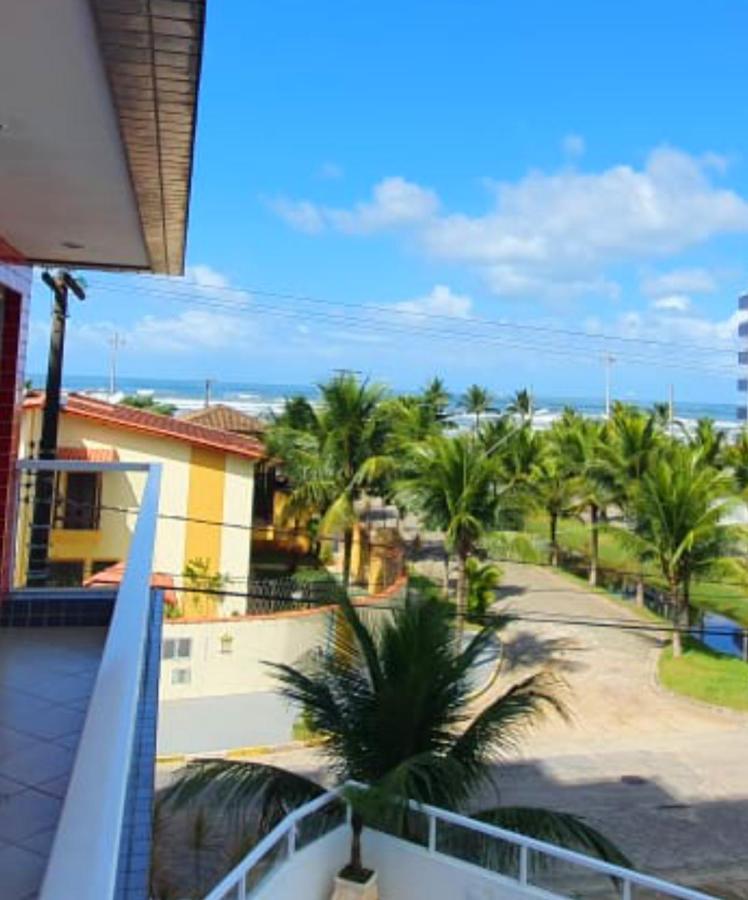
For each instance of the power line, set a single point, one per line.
(347, 316)
(171, 284)
(295, 533)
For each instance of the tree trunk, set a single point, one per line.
(554, 539)
(347, 552)
(357, 826)
(594, 544)
(462, 585)
(677, 621)
(640, 590)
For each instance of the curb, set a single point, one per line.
(168, 759)
(694, 702)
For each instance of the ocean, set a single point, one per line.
(262, 399)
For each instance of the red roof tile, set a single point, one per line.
(81, 406)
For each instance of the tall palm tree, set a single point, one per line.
(736, 458)
(331, 452)
(634, 440)
(579, 442)
(554, 492)
(436, 396)
(390, 705)
(522, 405)
(477, 401)
(709, 441)
(451, 481)
(680, 512)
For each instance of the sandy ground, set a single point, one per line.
(665, 778)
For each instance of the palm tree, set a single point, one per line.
(579, 443)
(736, 458)
(634, 439)
(389, 705)
(483, 579)
(521, 405)
(554, 492)
(436, 396)
(451, 481)
(679, 525)
(708, 440)
(477, 401)
(331, 452)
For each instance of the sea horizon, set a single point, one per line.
(264, 398)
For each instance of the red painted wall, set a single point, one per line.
(15, 280)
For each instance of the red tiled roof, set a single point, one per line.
(225, 418)
(84, 407)
(113, 576)
(88, 454)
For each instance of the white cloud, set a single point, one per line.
(395, 202)
(556, 234)
(193, 330)
(565, 228)
(440, 302)
(704, 333)
(299, 214)
(206, 276)
(678, 303)
(573, 146)
(687, 281)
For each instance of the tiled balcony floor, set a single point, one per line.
(46, 678)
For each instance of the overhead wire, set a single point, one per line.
(459, 328)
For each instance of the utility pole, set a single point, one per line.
(608, 361)
(60, 284)
(208, 388)
(671, 411)
(115, 342)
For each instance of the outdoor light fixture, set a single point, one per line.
(227, 643)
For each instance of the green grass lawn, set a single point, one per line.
(726, 599)
(705, 675)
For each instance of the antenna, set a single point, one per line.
(608, 361)
(115, 342)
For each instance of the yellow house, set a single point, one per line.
(206, 497)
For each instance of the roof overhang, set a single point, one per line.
(97, 122)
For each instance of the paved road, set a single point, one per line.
(665, 778)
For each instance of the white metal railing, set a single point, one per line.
(234, 885)
(84, 860)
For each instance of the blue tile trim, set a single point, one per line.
(135, 848)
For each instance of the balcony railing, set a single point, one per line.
(85, 861)
(282, 844)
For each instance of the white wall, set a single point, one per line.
(404, 871)
(280, 638)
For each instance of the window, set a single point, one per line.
(65, 574)
(181, 676)
(99, 565)
(79, 501)
(176, 648)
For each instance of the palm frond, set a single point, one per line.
(232, 784)
(496, 730)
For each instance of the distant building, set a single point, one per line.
(742, 410)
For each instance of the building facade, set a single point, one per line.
(207, 485)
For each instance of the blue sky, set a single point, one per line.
(578, 166)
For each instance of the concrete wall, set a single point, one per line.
(404, 871)
(234, 665)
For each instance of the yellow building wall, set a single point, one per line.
(195, 482)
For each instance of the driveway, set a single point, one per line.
(663, 777)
